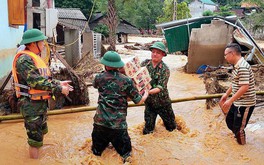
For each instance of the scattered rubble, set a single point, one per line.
(218, 82)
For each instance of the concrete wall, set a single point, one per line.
(41, 10)
(87, 43)
(73, 51)
(207, 45)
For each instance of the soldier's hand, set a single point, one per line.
(146, 93)
(66, 89)
(66, 83)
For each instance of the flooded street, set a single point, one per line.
(204, 138)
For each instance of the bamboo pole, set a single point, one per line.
(86, 108)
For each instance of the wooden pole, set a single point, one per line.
(86, 108)
(5, 82)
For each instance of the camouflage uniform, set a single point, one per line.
(160, 103)
(110, 119)
(34, 112)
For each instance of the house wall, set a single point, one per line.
(207, 45)
(10, 37)
(41, 10)
(197, 8)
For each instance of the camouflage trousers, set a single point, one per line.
(102, 136)
(165, 112)
(36, 127)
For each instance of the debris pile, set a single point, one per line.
(212, 85)
(8, 102)
(259, 77)
(81, 76)
(219, 80)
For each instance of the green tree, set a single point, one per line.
(84, 5)
(112, 22)
(225, 11)
(141, 13)
(103, 29)
(208, 13)
(182, 11)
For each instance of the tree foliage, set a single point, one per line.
(103, 29)
(141, 13)
(182, 11)
(225, 11)
(228, 2)
(84, 5)
(208, 13)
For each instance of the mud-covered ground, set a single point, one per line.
(204, 138)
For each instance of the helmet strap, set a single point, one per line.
(38, 47)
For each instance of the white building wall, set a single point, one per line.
(197, 8)
(10, 37)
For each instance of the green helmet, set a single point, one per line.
(32, 35)
(159, 45)
(112, 59)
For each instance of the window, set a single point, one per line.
(36, 20)
(16, 12)
(35, 3)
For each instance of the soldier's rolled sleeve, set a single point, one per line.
(95, 84)
(160, 87)
(133, 93)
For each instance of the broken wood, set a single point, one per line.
(5, 82)
(64, 62)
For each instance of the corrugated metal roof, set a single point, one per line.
(72, 18)
(248, 5)
(127, 28)
(182, 22)
(209, 2)
(70, 13)
(177, 36)
(122, 27)
(74, 24)
(96, 16)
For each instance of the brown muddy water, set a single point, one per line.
(204, 138)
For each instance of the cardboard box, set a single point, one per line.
(141, 74)
(132, 65)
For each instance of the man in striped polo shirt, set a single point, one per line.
(240, 106)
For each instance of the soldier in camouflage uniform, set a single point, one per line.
(110, 119)
(158, 102)
(27, 78)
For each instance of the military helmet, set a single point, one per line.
(159, 45)
(112, 59)
(32, 35)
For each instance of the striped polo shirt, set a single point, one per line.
(242, 74)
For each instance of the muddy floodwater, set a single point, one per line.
(203, 138)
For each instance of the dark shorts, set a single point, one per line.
(36, 128)
(101, 136)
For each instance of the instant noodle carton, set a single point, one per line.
(132, 65)
(139, 75)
